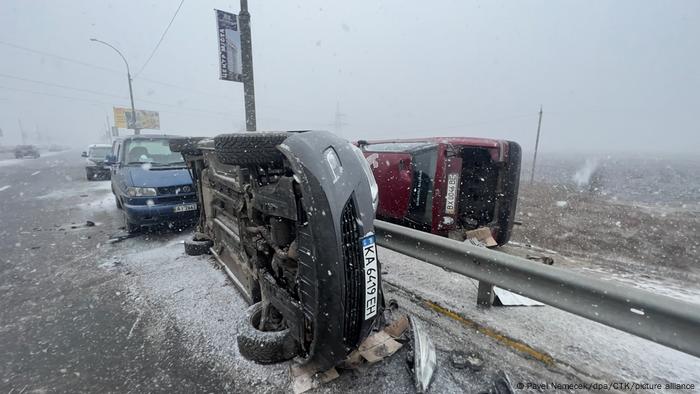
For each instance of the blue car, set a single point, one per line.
(151, 184)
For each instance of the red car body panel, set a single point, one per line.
(393, 171)
(447, 185)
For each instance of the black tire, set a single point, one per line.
(197, 248)
(265, 347)
(119, 203)
(89, 174)
(130, 227)
(248, 148)
(187, 145)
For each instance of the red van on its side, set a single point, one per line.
(447, 185)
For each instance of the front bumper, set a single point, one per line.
(98, 169)
(158, 214)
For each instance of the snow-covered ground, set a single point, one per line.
(590, 348)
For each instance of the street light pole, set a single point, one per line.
(131, 91)
(247, 67)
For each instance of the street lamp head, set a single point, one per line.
(93, 39)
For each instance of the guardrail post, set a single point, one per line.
(485, 296)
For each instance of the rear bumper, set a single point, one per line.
(158, 214)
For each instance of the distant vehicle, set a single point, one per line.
(26, 151)
(447, 185)
(95, 167)
(151, 184)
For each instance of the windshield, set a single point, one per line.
(155, 152)
(99, 152)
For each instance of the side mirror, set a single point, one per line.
(84, 154)
(110, 159)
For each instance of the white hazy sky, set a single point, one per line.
(611, 75)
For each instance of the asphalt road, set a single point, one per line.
(63, 323)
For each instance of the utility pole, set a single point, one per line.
(131, 91)
(537, 144)
(247, 66)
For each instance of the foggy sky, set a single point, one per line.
(613, 76)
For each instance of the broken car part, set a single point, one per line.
(422, 359)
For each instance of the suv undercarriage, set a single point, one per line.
(289, 216)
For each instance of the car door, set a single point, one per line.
(116, 169)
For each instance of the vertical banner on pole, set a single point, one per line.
(230, 59)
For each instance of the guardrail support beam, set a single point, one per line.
(485, 295)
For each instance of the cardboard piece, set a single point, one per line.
(378, 347)
(397, 327)
(375, 348)
(482, 235)
(304, 378)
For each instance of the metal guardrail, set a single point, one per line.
(661, 319)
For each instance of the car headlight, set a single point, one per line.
(140, 191)
(374, 189)
(334, 163)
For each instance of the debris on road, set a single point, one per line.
(373, 349)
(506, 298)
(377, 347)
(467, 360)
(501, 385)
(305, 379)
(481, 236)
(422, 359)
(542, 259)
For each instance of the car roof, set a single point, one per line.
(149, 136)
(99, 146)
(470, 141)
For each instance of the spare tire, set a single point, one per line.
(264, 347)
(186, 145)
(197, 247)
(248, 148)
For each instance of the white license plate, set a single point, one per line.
(451, 195)
(185, 207)
(369, 252)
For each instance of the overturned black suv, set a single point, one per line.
(289, 216)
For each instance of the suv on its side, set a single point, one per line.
(447, 185)
(95, 166)
(151, 183)
(290, 218)
(22, 151)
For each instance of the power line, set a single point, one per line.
(222, 114)
(97, 67)
(59, 86)
(140, 78)
(161, 38)
(107, 94)
(65, 59)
